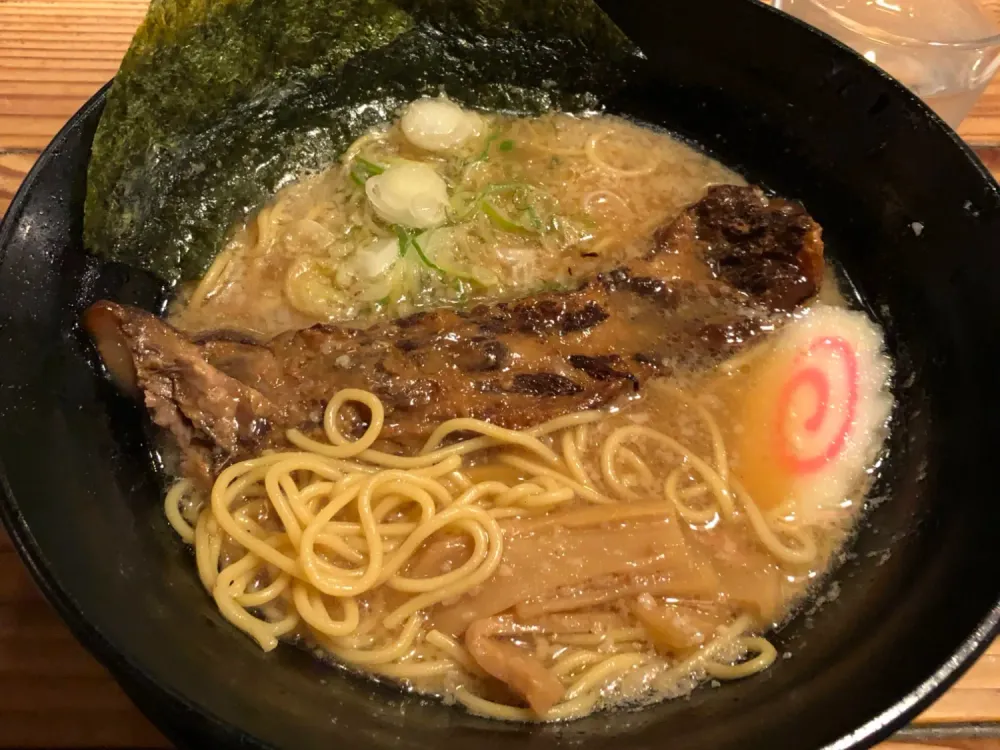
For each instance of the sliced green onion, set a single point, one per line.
(532, 223)
(534, 219)
(463, 205)
(485, 155)
(507, 187)
(369, 166)
(507, 145)
(502, 220)
(362, 169)
(424, 259)
(406, 238)
(475, 203)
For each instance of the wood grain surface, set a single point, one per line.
(53, 55)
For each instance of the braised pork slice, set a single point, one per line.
(515, 364)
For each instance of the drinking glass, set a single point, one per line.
(945, 51)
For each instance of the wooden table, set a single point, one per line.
(53, 55)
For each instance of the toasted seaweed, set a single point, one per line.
(219, 103)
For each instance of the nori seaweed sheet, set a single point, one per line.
(220, 102)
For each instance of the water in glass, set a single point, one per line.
(946, 51)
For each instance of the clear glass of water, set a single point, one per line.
(945, 51)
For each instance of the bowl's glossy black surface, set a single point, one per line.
(908, 211)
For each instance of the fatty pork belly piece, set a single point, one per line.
(747, 260)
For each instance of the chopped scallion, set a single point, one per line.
(485, 155)
(534, 219)
(504, 222)
(424, 259)
(369, 166)
(362, 169)
(406, 238)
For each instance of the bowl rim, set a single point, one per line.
(127, 672)
(136, 681)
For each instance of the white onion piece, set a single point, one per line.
(380, 288)
(376, 259)
(410, 194)
(439, 124)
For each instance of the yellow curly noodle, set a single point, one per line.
(535, 202)
(301, 543)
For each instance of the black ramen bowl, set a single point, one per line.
(909, 214)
